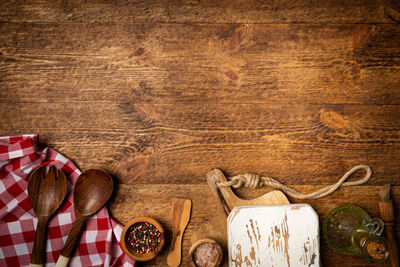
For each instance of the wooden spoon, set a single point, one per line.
(180, 216)
(46, 193)
(92, 190)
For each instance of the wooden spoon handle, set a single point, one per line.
(39, 245)
(69, 246)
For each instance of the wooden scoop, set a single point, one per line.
(92, 190)
(180, 216)
(46, 193)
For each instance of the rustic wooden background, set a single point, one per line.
(160, 92)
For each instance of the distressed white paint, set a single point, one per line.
(276, 235)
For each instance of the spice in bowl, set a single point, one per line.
(143, 237)
(206, 253)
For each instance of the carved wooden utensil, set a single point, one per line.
(180, 216)
(46, 193)
(216, 227)
(92, 190)
(388, 216)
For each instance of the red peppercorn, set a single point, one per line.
(143, 237)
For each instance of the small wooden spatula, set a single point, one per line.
(180, 216)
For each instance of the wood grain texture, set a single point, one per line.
(159, 93)
(165, 143)
(167, 11)
(224, 63)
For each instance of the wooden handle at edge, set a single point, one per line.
(394, 253)
(62, 261)
(175, 255)
(39, 245)
(387, 214)
(69, 245)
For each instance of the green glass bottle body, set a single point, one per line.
(350, 230)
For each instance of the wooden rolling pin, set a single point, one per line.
(387, 214)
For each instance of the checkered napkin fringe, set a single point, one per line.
(99, 242)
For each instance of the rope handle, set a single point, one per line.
(254, 181)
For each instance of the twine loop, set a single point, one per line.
(254, 181)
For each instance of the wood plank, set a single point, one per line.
(158, 205)
(136, 63)
(180, 143)
(209, 11)
(160, 92)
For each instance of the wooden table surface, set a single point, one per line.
(160, 92)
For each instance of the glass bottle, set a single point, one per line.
(350, 230)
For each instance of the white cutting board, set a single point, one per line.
(276, 235)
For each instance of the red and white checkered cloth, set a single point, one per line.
(99, 242)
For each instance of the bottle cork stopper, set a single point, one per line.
(374, 249)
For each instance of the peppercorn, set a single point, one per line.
(143, 237)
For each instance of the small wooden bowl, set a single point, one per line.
(218, 258)
(133, 254)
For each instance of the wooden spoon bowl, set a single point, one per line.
(46, 193)
(92, 190)
(133, 254)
